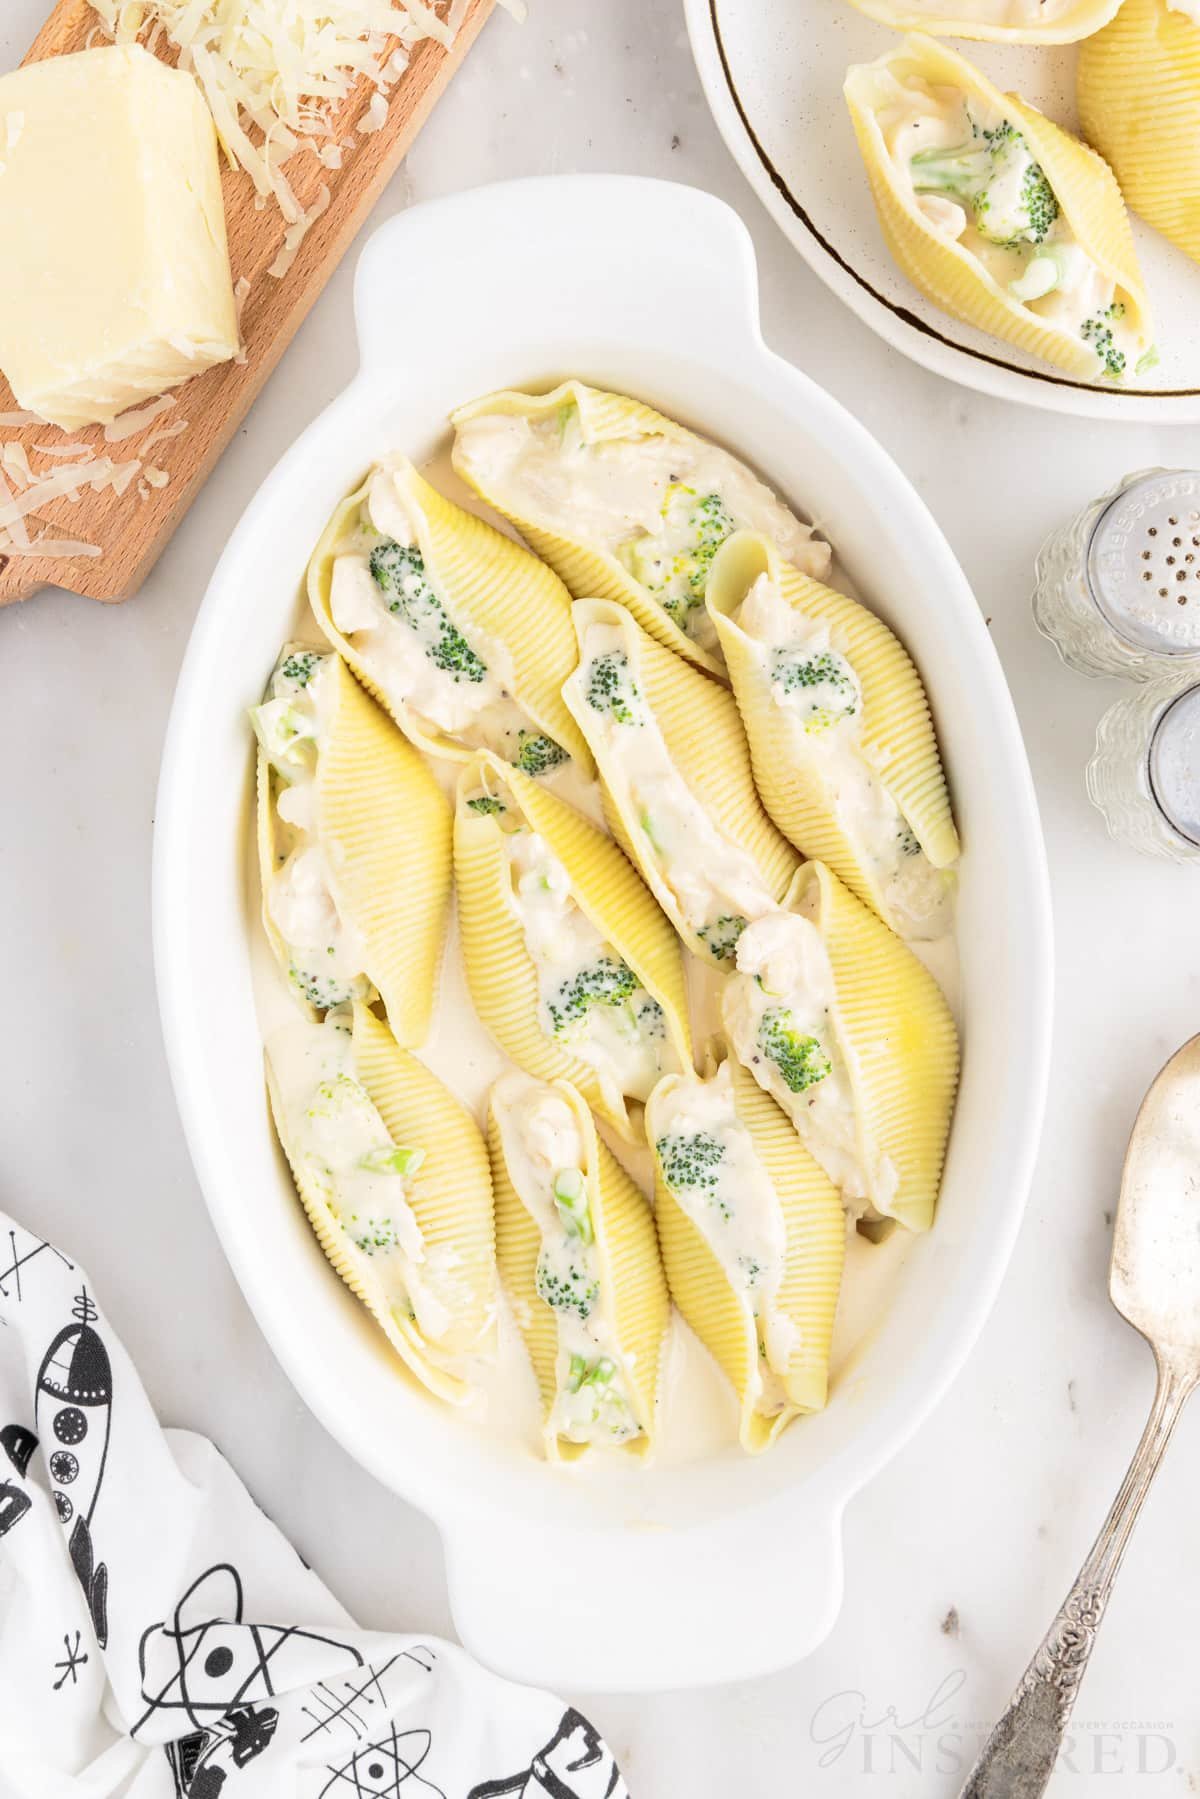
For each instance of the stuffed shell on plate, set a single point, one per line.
(999, 216)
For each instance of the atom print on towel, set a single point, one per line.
(206, 1661)
(20, 1258)
(385, 1770)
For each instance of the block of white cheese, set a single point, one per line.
(116, 282)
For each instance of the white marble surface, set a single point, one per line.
(959, 1551)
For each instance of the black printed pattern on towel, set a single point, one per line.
(18, 1445)
(387, 1769)
(73, 1408)
(202, 1761)
(343, 1705)
(10, 1274)
(207, 1661)
(574, 1764)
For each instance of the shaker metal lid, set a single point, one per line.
(1174, 764)
(1143, 562)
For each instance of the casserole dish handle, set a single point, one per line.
(653, 1607)
(615, 257)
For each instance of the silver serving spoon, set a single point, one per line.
(1154, 1281)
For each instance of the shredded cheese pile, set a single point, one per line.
(275, 72)
(71, 469)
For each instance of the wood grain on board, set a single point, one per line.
(134, 527)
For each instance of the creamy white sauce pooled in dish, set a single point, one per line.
(817, 691)
(715, 885)
(340, 1146)
(663, 506)
(325, 953)
(780, 1013)
(451, 680)
(589, 999)
(707, 1158)
(970, 173)
(545, 1156)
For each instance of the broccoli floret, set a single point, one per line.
(994, 176)
(605, 982)
(486, 804)
(678, 577)
(651, 1020)
(399, 570)
(820, 688)
(322, 990)
(299, 668)
(906, 839)
(371, 1235)
(800, 1059)
(571, 1291)
(536, 754)
(611, 688)
(720, 938)
(692, 1161)
(1097, 331)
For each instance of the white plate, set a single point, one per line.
(605, 1577)
(772, 71)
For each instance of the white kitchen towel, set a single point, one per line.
(159, 1639)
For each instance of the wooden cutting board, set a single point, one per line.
(133, 527)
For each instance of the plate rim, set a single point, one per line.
(921, 342)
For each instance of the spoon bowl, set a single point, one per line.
(1154, 1279)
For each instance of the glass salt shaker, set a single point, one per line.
(1118, 589)
(1145, 773)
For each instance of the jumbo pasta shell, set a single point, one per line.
(898, 1037)
(945, 272)
(588, 568)
(451, 1198)
(1073, 20)
(630, 1270)
(492, 589)
(586, 564)
(385, 831)
(797, 786)
(1138, 86)
(500, 974)
(703, 734)
(815, 1251)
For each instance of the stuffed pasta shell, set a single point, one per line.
(460, 633)
(840, 736)
(571, 965)
(837, 1019)
(1138, 87)
(999, 216)
(625, 504)
(995, 21)
(577, 1252)
(354, 841)
(678, 788)
(394, 1177)
(753, 1239)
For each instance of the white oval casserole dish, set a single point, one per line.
(626, 1578)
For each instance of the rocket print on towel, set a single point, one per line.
(574, 1764)
(73, 1409)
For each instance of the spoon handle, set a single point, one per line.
(1018, 1758)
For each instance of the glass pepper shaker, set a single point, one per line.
(1145, 773)
(1118, 589)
